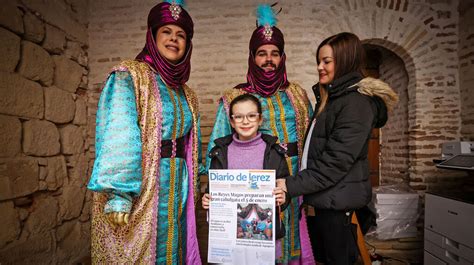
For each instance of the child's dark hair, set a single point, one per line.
(243, 98)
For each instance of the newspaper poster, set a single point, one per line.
(241, 217)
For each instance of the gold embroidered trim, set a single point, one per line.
(169, 245)
(171, 209)
(271, 114)
(300, 102)
(229, 95)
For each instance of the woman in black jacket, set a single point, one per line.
(335, 171)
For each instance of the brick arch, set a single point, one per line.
(418, 37)
(409, 67)
(393, 152)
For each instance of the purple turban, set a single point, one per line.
(161, 15)
(174, 75)
(259, 81)
(258, 39)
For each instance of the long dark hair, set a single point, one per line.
(349, 57)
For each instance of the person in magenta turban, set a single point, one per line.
(145, 174)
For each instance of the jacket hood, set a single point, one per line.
(384, 97)
(343, 84)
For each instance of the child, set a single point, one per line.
(249, 149)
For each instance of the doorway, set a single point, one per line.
(388, 147)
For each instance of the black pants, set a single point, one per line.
(333, 237)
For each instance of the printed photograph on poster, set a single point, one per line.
(254, 221)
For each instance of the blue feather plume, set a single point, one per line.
(178, 2)
(265, 15)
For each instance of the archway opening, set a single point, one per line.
(388, 147)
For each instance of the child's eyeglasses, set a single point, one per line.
(251, 117)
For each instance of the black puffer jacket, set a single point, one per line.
(337, 173)
(274, 159)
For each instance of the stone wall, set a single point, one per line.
(44, 163)
(466, 68)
